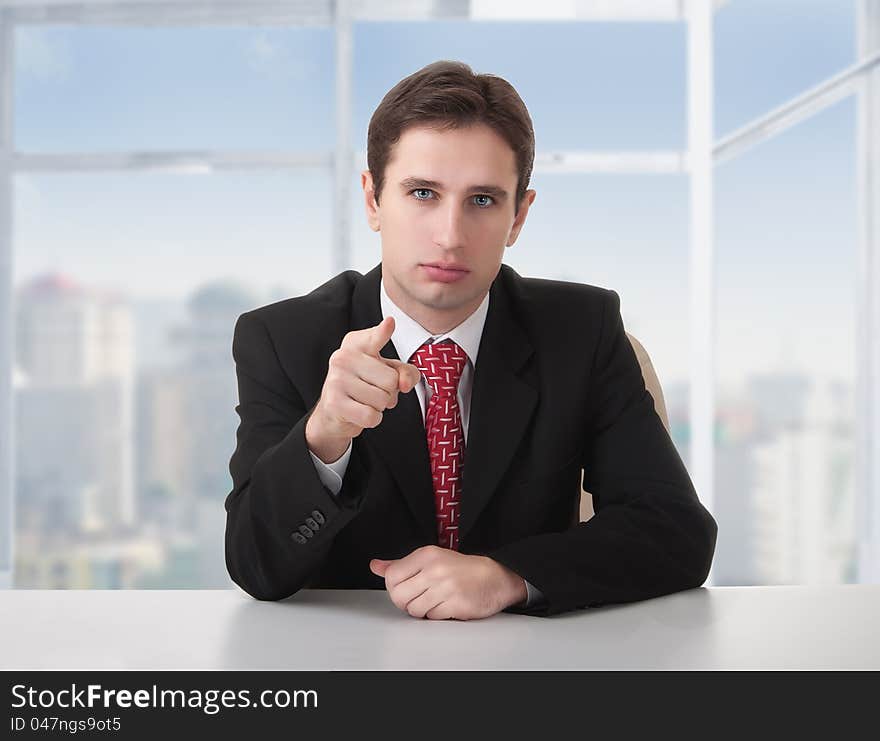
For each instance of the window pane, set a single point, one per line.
(786, 226)
(127, 292)
(586, 85)
(94, 89)
(769, 51)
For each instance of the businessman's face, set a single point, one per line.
(448, 199)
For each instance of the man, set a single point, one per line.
(423, 428)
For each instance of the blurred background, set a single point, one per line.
(166, 166)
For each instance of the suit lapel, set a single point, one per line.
(502, 403)
(503, 400)
(400, 439)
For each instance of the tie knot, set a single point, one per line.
(441, 365)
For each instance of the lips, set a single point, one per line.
(444, 274)
(446, 266)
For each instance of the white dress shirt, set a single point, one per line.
(408, 337)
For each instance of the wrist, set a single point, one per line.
(512, 587)
(329, 448)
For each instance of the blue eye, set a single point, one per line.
(422, 190)
(488, 204)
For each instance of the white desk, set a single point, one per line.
(835, 627)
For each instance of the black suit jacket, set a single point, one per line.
(557, 390)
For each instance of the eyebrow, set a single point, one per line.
(411, 183)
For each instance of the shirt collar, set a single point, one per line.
(409, 335)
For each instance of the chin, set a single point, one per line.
(448, 297)
(438, 298)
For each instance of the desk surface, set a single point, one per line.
(790, 627)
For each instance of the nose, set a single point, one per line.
(449, 230)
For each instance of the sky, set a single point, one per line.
(785, 211)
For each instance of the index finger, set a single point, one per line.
(402, 569)
(408, 374)
(373, 339)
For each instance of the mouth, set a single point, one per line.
(445, 273)
(451, 266)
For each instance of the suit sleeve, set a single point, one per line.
(280, 519)
(650, 535)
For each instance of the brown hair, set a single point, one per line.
(447, 95)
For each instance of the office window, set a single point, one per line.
(167, 178)
(127, 288)
(787, 256)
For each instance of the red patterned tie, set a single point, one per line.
(441, 365)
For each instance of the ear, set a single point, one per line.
(370, 204)
(524, 205)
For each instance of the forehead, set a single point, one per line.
(464, 155)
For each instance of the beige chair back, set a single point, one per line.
(652, 383)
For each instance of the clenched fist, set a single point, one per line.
(439, 584)
(359, 387)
